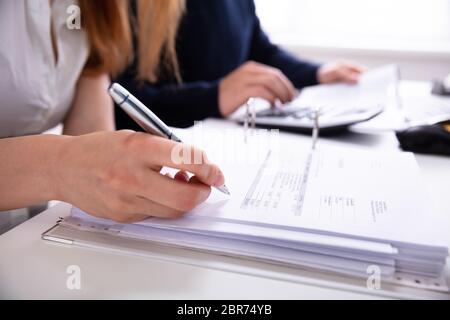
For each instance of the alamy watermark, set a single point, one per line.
(374, 280)
(227, 146)
(73, 281)
(73, 21)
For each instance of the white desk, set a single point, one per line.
(32, 268)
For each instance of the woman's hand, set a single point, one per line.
(339, 72)
(116, 175)
(253, 79)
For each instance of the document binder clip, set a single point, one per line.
(313, 114)
(315, 131)
(250, 117)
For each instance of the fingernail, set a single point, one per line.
(220, 180)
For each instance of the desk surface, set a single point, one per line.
(33, 268)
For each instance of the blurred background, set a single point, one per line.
(415, 34)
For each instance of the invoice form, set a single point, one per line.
(334, 190)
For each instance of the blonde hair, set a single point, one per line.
(108, 26)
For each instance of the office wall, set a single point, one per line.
(423, 66)
(415, 34)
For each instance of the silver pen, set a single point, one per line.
(145, 117)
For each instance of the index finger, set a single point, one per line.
(356, 67)
(287, 83)
(283, 80)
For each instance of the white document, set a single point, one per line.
(345, 192)
(350, 264)
(372, 89)
(244, 243)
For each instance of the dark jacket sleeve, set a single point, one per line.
(301, 73)
(188, 101)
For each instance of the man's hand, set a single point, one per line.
(339, 72)
(253, 79)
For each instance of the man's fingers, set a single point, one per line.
(355, 67)
(262, 92)
(349, 72)
(352, 77)
(274, 84)
(347, 75)
(287, 83)
(273, 79)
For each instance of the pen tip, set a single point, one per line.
(224, 189)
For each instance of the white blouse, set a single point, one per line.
(36, 90)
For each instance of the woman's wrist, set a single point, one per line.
(55, 167)
(30, 164)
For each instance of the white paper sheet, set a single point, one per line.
(372, 89)
(349, 192)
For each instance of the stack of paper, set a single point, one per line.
(338, 210)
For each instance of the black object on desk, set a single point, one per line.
(427, 139)
(441, 88)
